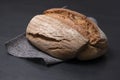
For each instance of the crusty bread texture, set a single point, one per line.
(66, 34)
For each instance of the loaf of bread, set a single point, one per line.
(66, 34)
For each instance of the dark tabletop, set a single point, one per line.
(14, 17)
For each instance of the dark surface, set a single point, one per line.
(14, 16)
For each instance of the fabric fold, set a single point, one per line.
(21, 47)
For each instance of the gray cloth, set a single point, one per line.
(20, 47)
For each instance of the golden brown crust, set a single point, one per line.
(97, 39)
(78, 21)
(62, 11)
(88, 41)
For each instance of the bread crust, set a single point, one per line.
(66, 34)
(97, 44)
(57, 39)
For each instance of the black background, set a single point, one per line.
(14, 17)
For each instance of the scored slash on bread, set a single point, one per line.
(85, 40)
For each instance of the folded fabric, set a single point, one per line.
(21, 47)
